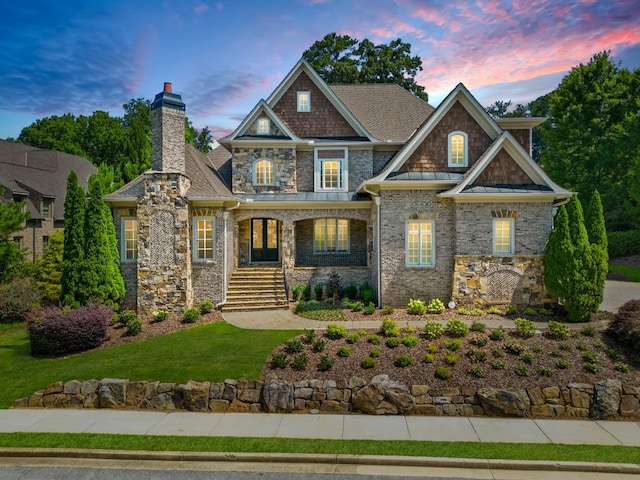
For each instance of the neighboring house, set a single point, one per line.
(39, 177)
(365, 180)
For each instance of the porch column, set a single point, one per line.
(288, 244)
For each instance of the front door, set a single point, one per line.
(264, 240)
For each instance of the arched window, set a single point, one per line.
(263, 172)
(458, 149)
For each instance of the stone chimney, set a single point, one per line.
(167, 126)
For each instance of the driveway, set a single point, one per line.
(617, 293)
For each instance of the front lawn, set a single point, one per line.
(213, 352)
(632, 274)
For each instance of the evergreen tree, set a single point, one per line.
(12, 218)
(597, 233)
(49, 270)
(559, 259)
(73, 255)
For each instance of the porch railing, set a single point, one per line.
(352, 258)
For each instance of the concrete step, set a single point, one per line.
(245, 308)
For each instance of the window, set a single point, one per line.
(331, 169)
(457, 149)
(203, 234)
(263, 172)
(331, 235)
(503, 236)
(304, 101)
(263, 126)
(129, 242)
(420, 243)
(45, 242)
(47, 203)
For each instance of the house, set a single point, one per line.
(39, 178)
(365, 180)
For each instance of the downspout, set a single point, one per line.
(225, 218)
(376, 243)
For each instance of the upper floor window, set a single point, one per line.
(129, 240)
(45, 242)
(503, 243)
(331, 235)
(263, 172)
(47, 204)
(331, 169)
(203, 235)
(263, 126)
(304, 101)
(420, 246)
(458, 149)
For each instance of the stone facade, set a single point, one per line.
(607, 399)
(284, 170)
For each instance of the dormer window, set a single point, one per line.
(304, 101)
(458, 149)
(263, 172)
(263, 126)
(47, 203)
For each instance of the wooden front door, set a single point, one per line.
(265, 239)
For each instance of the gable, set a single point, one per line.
(324, 120)
(503, 170)
(249, 129)
(432, 154)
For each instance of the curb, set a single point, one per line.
(338, 459)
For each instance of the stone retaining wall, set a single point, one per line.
(608, 399)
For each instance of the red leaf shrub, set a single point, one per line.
(53, 331)
(626, 324)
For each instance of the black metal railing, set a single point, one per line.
(351, 258)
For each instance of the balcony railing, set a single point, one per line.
(352, 258)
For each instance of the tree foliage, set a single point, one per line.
(343, 59)
(49, 268)
(73, 256)
(12, 218)
(597, 233)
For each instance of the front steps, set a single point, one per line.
(256, 288)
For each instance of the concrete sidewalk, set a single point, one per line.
(341, 427)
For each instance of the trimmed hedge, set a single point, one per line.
(53, 331)
(17, 298)
(624, 244)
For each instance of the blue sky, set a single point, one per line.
(74, 56)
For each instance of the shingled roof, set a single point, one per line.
(389, 112)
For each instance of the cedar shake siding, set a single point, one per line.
(432, 154)
(522, 136)
(503, 170)
(322, 121)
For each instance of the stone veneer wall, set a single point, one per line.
(284, 160)
(607, 399)
(164, 254)
(206, 277)
(488, 280)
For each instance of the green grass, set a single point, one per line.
(508, 451)
(632, 273)
(213, 352)
(9, 327)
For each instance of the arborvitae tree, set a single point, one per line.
(597, 232)
(73, 256)
(49, 270)
(102, 282)
(558, 259)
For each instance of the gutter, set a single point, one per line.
(225, 218)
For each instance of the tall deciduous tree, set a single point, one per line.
(73, 256)
(343, 59)
(597, 232)
(12, 218)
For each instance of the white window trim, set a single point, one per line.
(194, 242)
(334, 252)
(123, 241)
(512, 234)
(308, 106)
(465, 151)
(318, 170)
(254, 171)
(263, 126)
(433, 245)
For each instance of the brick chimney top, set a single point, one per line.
(167, 87)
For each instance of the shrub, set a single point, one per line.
(392, 342)
(478, 339)
(309, 336)
(589, 331)
(368, 362)
(526, 358)
(433, 348)
(191, 315)
(353, 338)
(306, 293)
(493, 310)
(428, 358)
(583, 347)
(476, 356)
(369, 309)
(545, 372)
(52, 331)
(530, 311)
(17, 298)
(626, 324)
(325, 363)
(442, 373)
(300, 361)
(623, 244)
(334, 284)
(350, 291)
(373, 339)
(134, 327)
(522, 371)
(562, 364)
(374, 353)
(476, 312)
(387, 310)
(357, 306)
(590, 357)
(409, 341)
(497, 365)
(497, 352)
(294, 346)
(389, 328)
(476, 371)
(317, 291)
(457, 328)
(319, 345)
(545, 311)
(524, 328)
(403, 361)
(613, 354)
(206, 306)
(463, 311)
(126, 316)
(296, 292)
(557, 330)
(410, 329)
(512, 310)
(477, 326)
(591, 367)
(279, 360)
(435, 306)
(334, 332)
(557, 354)
(622, 367)
(416, 307)
(367, 293)
(343, 351)
(514, 346)
(498, 334)
(565, 346)
(453, 344)
(346, 303)
(160, 315)
(451, 358)
(433, 329)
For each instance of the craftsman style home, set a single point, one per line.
(365, 180)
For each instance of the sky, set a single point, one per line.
(79, 56)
